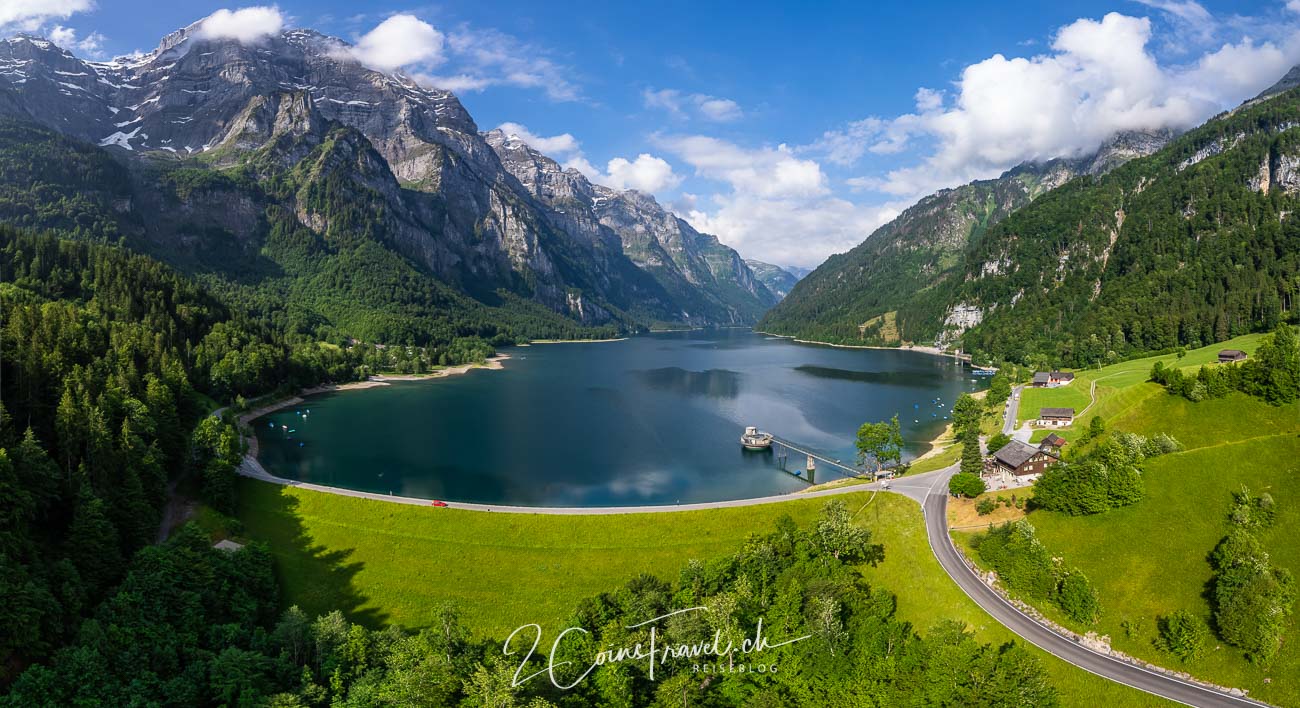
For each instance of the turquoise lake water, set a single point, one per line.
(653, 419)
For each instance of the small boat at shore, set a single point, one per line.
(755, 439)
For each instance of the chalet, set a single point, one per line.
(1053, 444)
(1052, 379)
(1231, 356)
(1018, 463)
(1055, 417)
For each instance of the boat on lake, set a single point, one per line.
(755, 439)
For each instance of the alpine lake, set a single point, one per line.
(653, 419)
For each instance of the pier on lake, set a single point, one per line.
(782, 449)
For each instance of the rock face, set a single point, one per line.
(450, 203)
(707, 281)
(777, 279)
(923, 250)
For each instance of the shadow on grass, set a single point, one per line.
(317, 579)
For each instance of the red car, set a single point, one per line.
(437, 502)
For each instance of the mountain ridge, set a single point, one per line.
(850, 297)
(452, 208)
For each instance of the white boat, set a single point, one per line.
(754, 439)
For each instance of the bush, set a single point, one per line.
(966, 485)
(997, 442)
(1076, 596)
(986, 506)
(1183, 634)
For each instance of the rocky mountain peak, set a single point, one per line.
(483, 212)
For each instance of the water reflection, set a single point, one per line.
(888, 378)
(714, 383)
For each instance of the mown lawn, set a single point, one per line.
(1073, 396)
(392, 563)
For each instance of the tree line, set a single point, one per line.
(192, 625)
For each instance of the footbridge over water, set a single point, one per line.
(783, 448)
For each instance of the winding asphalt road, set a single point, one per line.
(930, 490)
(1174, 689)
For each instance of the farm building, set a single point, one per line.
(1052, 379)
(1018, 463)
(1055, 417)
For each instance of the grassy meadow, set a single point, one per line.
(1150, 559)
(391, 563)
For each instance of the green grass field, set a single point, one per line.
(1114, 381)
(391, 563)
(1150, 559)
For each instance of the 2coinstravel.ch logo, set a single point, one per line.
(714, 655)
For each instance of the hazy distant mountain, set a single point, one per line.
(777, 279)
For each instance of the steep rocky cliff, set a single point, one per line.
(708, 282)
(297, 105)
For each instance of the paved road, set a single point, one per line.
(1013, 408)
(913, 487)
(936, 525)
(935, 507)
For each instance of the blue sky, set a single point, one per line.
(790, 130)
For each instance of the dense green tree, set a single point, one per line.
(966, 414)
(879, 444)
(1183, 634)
(1076, 596)
(966, 485)
(997, 442)
(972, 460)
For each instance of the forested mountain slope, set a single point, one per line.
(863, 296)
(1192, 245)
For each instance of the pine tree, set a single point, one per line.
(972, 461)
(92, 543)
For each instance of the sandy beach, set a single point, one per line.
(492, 364)
(577, 341)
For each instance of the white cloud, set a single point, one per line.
(680, 105)
(777, 205)
(1099, 78)
(247, 24)
(555, 147)
(91, 45)
(491, 58)
(800, 232)
(31, 15)
(1192, 23)
(719, 109)
(1293, 5)
(646, 173)
(765, 172)
(400, 40)
(458, 83)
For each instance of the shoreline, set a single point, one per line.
(252, 468)
(575, 341)
(492, 363)
(920, 349)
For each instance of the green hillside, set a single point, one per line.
(1150, 559)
